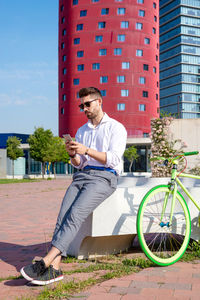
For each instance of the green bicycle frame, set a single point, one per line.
(175, 182)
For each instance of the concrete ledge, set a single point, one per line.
(111, 228)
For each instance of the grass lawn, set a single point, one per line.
(5, 181)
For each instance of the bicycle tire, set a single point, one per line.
(162, 243)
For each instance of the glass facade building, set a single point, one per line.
(180, 58)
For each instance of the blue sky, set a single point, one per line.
(28, 65)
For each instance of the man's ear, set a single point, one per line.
(100, 101)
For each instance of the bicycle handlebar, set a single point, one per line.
(173, 158)
(191, 153)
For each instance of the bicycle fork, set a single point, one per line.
(173, 189)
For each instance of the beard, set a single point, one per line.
(90, 115)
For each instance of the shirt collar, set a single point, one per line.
(104, 120)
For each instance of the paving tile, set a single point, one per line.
(157, 292)
(104, 297)
(137, 297)
(144, 284)
(124, 291)
(176, 286)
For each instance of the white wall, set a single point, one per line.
(188, 130)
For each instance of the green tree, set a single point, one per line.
(56, 152)
(131, 154)
(40, 142)
(13, 150)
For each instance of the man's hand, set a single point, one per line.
(69, 148)
(77, 147)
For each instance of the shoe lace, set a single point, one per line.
(39, 267)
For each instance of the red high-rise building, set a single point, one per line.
(114, 46)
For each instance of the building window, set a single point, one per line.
(140, 1)
(79, 27)
(124, 93)
(62, 111)
(83, 13)
(102, 52)
(154, 30)
(142, 80)
(95, 66)
(139, 26)
(80, 53)
(155, 18)
(103, 93)
(154, 5)
(64, 71)
(80, 67)
(156, 96)
(62, 45)
(145, 67)
(105, 11)
(62, 8)
(121, 106)
(117, 51)
(124, 24)
(103, 79)
(75, 2)
(101, 25)
(77, 95)
(142, 107)
(98, 38)
(154, 69)
(145, 94)
(64, 97)
(63, 20)
(64, 58)
(156, 57)
(76, 41)
(125, 65)
(62, 85)
(139, 52)
(121, 37)
(119, 0)
(64, 32)
(76, 81)
(121, 11)
(95, 1)
(141, 13)
(147, 41)
(120, 78)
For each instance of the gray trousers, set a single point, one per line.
(87, 190)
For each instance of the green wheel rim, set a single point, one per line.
(163, 261)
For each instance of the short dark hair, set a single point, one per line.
(89, 91)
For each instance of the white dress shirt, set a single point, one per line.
(108, 136)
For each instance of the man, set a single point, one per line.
(97, 153)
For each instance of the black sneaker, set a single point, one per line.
(49, 276)
(32, 271)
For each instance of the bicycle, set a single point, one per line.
(163, 218)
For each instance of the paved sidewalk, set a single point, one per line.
(28, 214)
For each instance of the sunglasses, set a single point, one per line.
(86, 104)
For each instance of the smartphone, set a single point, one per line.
(67, 137)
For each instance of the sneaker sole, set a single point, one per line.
(25, 275)
(38, 282)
